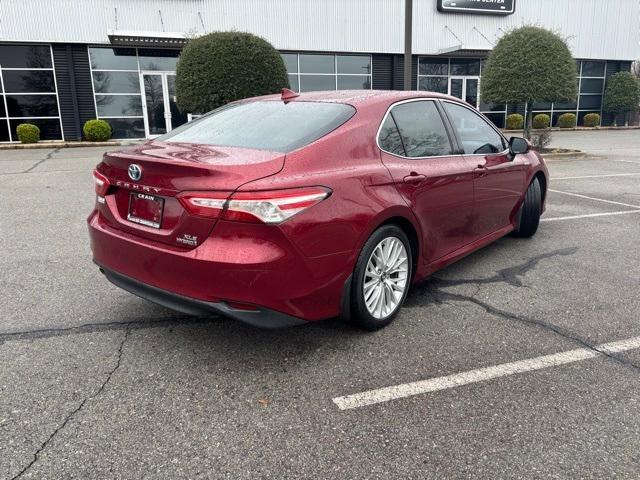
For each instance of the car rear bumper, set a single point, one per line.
(260, 317)
(239, 264)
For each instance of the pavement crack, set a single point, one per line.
(67, 419)
(567, 334)
(510, 275)
(42, 160)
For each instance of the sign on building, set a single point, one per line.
(490, 7)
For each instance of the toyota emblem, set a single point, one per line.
(135, 172)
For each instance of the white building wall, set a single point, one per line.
(594, 28)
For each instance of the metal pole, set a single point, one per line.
(408, 39)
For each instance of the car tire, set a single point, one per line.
(381, 278)
(530, 211)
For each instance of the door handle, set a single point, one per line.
(480, 170)
(414, 177)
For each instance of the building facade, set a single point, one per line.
(68, 61)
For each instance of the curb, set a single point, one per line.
(29, 146)
(575, 129)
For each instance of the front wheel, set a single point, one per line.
(530, 211)
(381, 278)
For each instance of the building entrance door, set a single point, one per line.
(465, 88)
(159, 107)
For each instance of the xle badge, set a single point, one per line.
(190, 240)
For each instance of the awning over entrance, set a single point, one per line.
(147, 39)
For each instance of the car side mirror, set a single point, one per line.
(519, 145)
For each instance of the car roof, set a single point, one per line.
(362, 97)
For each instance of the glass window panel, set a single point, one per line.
(541, 106)
(317, 64)
(28, 81)
(434, 84)
(389, 138)
(32, 105)
(423, 132)
(591, 85)
(49, 128)
(113, 58)
(465, 66)
(4, 130)
(273, 126)
(354, 82)
(158, 59)
(312, 83)
(566, 105)
(290, 61)
(25, 56)
(2, 111)
(590, 102)
(119, 105)
(498, 119)
(433, 66)
(493, 107)
(293, 83)
(126, 127)
(116, 82)
(475, 134)
(354, 64)
(593, 69)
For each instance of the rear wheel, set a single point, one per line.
(530, 211)
(381, 278)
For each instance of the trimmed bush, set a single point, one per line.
(622, 94)
(540, 121)
(28, 133)
(567, 120)
(515, 121)
(222, 67)
(591, 120)
(96, 130)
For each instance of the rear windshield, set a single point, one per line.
(266, 125)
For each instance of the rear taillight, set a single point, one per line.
(101, 183)
(274, 206)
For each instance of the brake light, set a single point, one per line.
(101, 182)
(272, 207)
(203, 204)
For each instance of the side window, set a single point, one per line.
(474, 132)
(389, 138)
(421, 128)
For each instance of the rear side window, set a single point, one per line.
(267, 125)
(421, 129)
(474, 132)
(389, 138)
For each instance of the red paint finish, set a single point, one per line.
(454, 205)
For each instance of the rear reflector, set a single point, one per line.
(274, 206)
(101, 183)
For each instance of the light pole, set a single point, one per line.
(408, 38)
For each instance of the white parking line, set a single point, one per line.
(597, 176)
(594, 198)
(589, 215)
(395, 392)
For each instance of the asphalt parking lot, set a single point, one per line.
(520, 361)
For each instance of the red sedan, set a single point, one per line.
(285, 209)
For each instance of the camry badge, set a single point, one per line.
(135, 172)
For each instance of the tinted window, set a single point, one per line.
(113, 58)
(463, 66)
(275, 126)
(353, 64)
(434, 66)
(32, 105)
(354, 82)
(389, 138)
(435, 84)
(591, 85)
(313, 83)
(317, 64)
(290, 61)
(49, 128)
(116, 82)
(475, 133)
(422, 130)
(28, 81)
(119, 105)
(593, 69)
(25, 56)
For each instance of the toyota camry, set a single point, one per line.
(293, 208)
